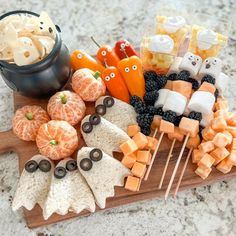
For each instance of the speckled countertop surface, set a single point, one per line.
(209, 210)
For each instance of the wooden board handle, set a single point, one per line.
(7, 141)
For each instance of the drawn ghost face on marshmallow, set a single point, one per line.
(191, 63)
(211, 66)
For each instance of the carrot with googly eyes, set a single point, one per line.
(115, 83)
(106, 53)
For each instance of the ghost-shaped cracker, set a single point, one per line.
(69, 193)
(191, 63)
(118, 113)
(25, 52)
(33, 186)
(103, 175)
(104, 135)
(211, 66)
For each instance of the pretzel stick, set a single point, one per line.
(153, 156)
(167, 163)
(176, 167)
(182, 172)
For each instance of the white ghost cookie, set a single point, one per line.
(102, 172)
(68, 192)
(116, 111)
(34, 183)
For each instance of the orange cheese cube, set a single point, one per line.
(232, 158)
(222, 113)
(166, 127)
(169, 85)
(189, 126)
(196, 156)
(232, 130)
(156, 122)
(143, 156)
(224, 166)
(138, 169)
(132, 130)
(207, 87)
(203, 173)
(219, 154)
(229, 136)
(132, 183)
(222, 105)
(176, 135)
(140, 140)
(152, 143)
(220, 140)
(129, 161)
(208, 133)
(231, 120)
(219, 124)
(128, 147)
(206, 161)
(233, 144)
(193, 142)
(206, 147)
(182, 87)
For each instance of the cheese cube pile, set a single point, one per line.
(218, 147)
(137, 155)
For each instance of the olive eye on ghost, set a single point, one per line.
(127, 69)
(107, 78)
(112, 75)
(104, 53)
(207, 61)
(134, 67)
(79, 55)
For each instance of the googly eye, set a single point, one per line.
(126, 69)
(207, 61)
(107, 78)
(112, 75)
(122, 45)
(134, 67)
(104, 53)
(109, 49)
(215, 60)
(197, 59)
(79, 55)
(126, 43)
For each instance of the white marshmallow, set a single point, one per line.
(211, 66)
(161, 44)
(221, 83)
(174, 68)
(175, 102)
(191, 63)
(206, 119)
(162, 97)
(202, 101)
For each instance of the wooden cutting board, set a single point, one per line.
(148, 190)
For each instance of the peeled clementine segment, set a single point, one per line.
(27, 121)
(67, 106)
(57, 139)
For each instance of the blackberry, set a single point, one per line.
(183, 75)
(146, 130)
(161, 82)
(140, 107)
(154, 110)
(144, 120)
(172, 77)
(150, 76)
(135, 99)
(169, 116)
(216, 94)
(159, 111)
(177, 120)
(208, 79)
(151, 85)
(151, 97)
(195, 115)
(195, 84)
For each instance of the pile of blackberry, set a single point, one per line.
(208, 79)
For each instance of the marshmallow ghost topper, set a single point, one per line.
(211, 66)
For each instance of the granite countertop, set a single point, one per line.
(209, 210)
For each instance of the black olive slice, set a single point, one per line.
(71, 165)
(31, 166)
(59, 172)
(86, 164)
(100, 109)
(94, 119)
(44, 165)
(87, 127)
(95, 154)
(108, 101)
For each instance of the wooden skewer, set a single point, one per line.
(176, 166)
(153, 156)
(167, 163)
(182, 172)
